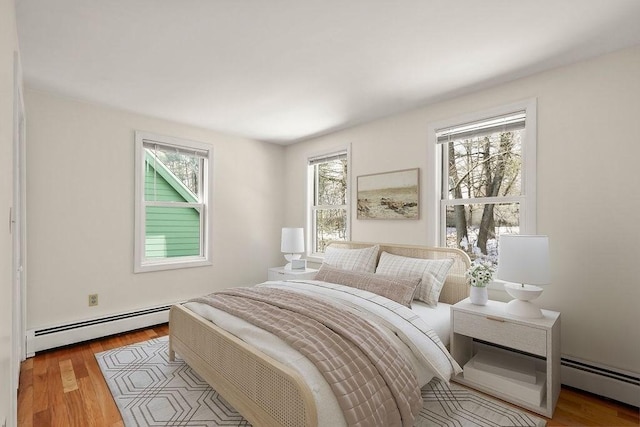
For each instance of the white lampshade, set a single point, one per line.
(292, 240)
(292, 243)
(524, 261)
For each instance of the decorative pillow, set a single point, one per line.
(352, 259)
(433, 273)
(398, 289)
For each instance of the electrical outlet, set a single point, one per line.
(93, 300)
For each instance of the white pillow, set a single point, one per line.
(352, 259)
(433, 273)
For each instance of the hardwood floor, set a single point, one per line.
(64, 387)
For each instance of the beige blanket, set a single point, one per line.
(373, 383)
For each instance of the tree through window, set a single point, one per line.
(329, 186)
(482, 193)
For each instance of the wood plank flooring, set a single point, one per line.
(64, 387)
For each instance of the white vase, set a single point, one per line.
(479, 296)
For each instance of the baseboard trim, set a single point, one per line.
(70, 333)
(616, 384)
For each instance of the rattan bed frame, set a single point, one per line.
(265, 391)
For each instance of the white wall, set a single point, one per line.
(8, 44)
(80, 211)
(588, 192)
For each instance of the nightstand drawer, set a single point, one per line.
(501, 331)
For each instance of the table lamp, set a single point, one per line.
(524, 262)
(292, 244)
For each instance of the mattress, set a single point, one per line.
(439, 318)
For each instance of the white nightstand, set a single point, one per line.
(279, 273)
(536, 342)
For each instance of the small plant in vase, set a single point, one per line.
(478, 277)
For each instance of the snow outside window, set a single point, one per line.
(328, 179)
(487, 179)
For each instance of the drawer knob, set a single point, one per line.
(497, 319)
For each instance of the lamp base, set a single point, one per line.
(525, 309)
(521, 305)
(289, 258)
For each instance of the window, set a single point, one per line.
(329, 199)
(172, 203)
(487, 179)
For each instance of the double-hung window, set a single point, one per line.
(487, 179)
(328, 178)
(172, 203)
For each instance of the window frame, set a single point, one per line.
(312, 197)
(436, 233)
(141, 263)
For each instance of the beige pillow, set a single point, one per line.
(433, 273)
(398, 289)
(352, 259)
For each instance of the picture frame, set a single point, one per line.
(389, 195)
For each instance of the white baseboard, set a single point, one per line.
(613, 383)
(71, 333)
(616, 384)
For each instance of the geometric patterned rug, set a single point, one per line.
(150, 391)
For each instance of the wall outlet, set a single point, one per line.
(93, 300)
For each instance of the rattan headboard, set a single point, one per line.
(455, 287)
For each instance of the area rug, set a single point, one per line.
(149, 390)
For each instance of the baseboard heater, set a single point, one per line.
(616, 384)
(75, 332)
(604, 381)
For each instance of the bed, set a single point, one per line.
(263, 389)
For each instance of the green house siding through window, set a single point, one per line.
(169, 231)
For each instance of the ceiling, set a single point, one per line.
(286, 70)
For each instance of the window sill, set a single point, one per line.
(171, 265)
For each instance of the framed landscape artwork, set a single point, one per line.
(389, 195)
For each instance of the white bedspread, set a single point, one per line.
(417, 341)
